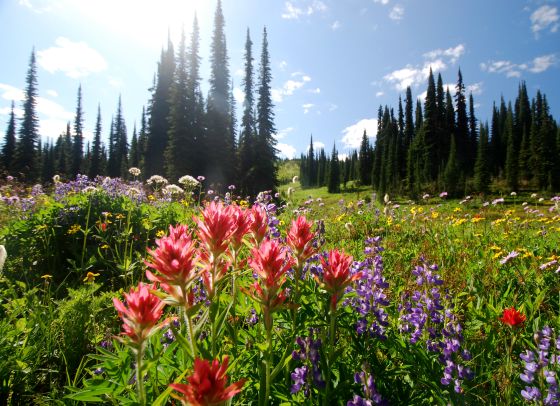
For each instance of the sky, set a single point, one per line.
(333, 61)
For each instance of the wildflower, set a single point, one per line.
(386, 198)
(295, 179)
(372, 396)
(141, 313)
(200, 178)
(509, 257)
(3, 256)
(74, 229)
(443, 195)
(336, 274)
(512, 317)
(173, 190)
(533, 195)
(90, 277)
(103, 227)
(157, 179)
(188, 181)
(270, 262)
(513, 194)
(290, 192)
(241, 225)
(215, 228)
(426, 196)
(231, 187)
(300, 239)
(134, 171)
(497, 201)
(309, 354)
(259, 223)
(56, 178)
(207, 384)
(174, 259)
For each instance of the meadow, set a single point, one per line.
(128, 292)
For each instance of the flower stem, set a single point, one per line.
(139, 377)
(331, 351)
(268, 365)
(190, 332)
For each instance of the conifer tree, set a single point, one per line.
(462, 125)
(366, 160)
(430, 132)
(266, 167)
(311, 165)
(220, 167)
(452, 174)
(96, 148)
(482, 165)
(134, 155)
(334, 173)
(473, 134)
(27, 159)
(78, 140)
(511, 163)
(9, 147)
(247, 136)
(180, 143)
(158, 112)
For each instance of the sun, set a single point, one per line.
(145, 21)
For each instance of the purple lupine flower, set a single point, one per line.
(308, 354)
(370, 300)
(540, 368)
(425, 319)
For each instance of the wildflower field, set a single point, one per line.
(128, 292)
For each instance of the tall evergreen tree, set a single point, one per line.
(511, 164)
(430, 132)
(247, 137)
(266, 167)
(311, 165)
(462, 125)
(27, 161)
(366, 160)
(78, 140)
(134, 154)
(473, 135)
(142, 140)
(96, 148)
(482, 164)
(452, 176)
(180, 143)
(333, 185)
(118, 158)
(220, 145)
(9, 147)
(158, 111)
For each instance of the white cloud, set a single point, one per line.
(352, 135)
(397, 12)
(514, 70)
(6, 111)
(39, 6)
(282, 65)
(383, 2)
(315, 91)
(317, 145)
(286, 151)
(52, 93)
(335, 26)
(74, 59)
(239, 72)
(116, 83)
(238, 95)
(293, 12)
(11, 93)
(544, 17)
(290, 86)
(283, 133)
(414, 75)
(379, 94)
(333, 107)
(453, 53)
(475, 88)
(542, 63)
(307, 107)
(342, 157)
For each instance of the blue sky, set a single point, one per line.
(333, 61)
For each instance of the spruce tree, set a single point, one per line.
(9, 147)
(220, 167)
(462, 125)
(430, 132)
(511, 164)
(142, 141)
(311, 165)
(266, 152)
(78, 140)
(366, 160)
(452, 173)
(27, 160)
(134, 155)
(247, 137)
(334, 173)
(158, 111)
(482, 164)
(95, 158)
(180, 143)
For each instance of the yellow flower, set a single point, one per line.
(46, 277)
(105, 247)
(495, 248)
(459, 222)
(74, 229)
(435, 214)
(477, 219)
(41, 227)
(243, 203)
(90, 277)
(497, 255)
(160, 233)
(119, 216)
(457, 210)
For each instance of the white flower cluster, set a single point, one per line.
(173, 190)
(134, 171)
(157, 179)
(188, 181)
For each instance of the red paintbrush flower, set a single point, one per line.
(174, 259)
(207, 384)
(512, 317)
(241, 225)
(141, 313)
(215, 228)
(259, 223)
(300, 239)
(336, 274)
(271, 263)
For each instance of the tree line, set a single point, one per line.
(442, 146)
(181, 132)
